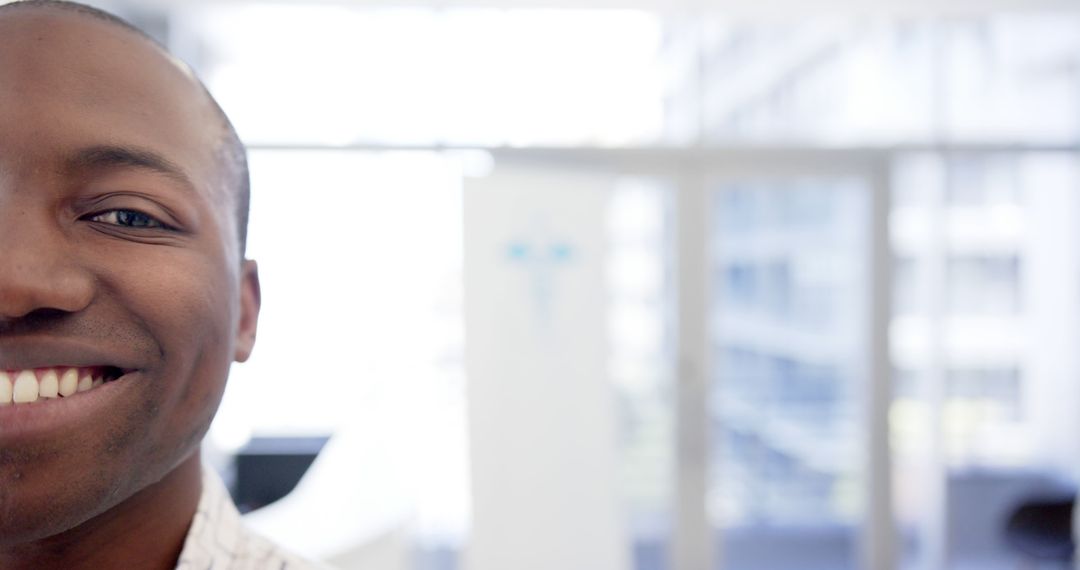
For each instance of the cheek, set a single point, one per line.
(191, 311)
(184, 299)
(189, 306)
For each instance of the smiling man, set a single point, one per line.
(124, 299)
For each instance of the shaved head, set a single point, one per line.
(229, 151)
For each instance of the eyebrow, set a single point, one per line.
(121, 157)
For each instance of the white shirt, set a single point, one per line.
(218, 540)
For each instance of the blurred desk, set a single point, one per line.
(268, 468)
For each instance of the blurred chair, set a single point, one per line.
(982, 502)
(268, 468)
(1040, 529)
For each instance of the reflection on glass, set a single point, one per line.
(788, 256)
(989, 77)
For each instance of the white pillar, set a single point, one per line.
(934, 535)
(692, 544)
(878, 540)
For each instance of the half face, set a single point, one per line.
(123, 299)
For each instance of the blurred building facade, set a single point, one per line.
(975, 116)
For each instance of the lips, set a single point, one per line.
(46, 419)
(28, 386)
(39, 372)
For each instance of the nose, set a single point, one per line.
(38, 270)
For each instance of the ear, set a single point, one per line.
(250, 301)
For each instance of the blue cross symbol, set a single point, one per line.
(541, 259)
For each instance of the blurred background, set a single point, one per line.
(654, 285)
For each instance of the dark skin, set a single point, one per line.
(118, 247)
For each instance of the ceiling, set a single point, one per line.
(778, 8)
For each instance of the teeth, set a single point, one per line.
(85, 382)
(5, 389)
(49, 386)
(29, 386)
(26, 388)
(69, 382)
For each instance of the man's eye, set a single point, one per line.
(128, 219)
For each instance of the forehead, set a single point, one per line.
(69, 81)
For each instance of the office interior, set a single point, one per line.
(647, 285)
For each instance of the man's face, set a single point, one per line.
(118, 253)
